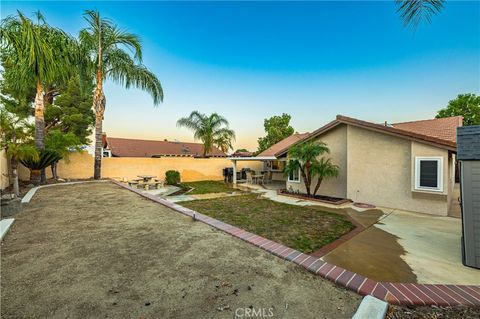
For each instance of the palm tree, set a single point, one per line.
(304, 158)
(224, 141)
(211, 130)
(105, 45)
(41, 55)
(413, 12)
(323, 169)
(15, 133)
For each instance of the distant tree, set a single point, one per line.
(108, 48)
(71, 111)
(466, 105)
(240, 150)
(62, 144)
(414, 12)
(210, 129)
(277, 128)
(304, 157)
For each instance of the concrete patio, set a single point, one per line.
(397, 246)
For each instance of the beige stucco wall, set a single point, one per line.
(80, 166)
(4, 182)
(379, 169)
(336, 140)
(381, 172)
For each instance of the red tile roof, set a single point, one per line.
(127, 147)
(443, 128)
(285, 143)
(429, 136)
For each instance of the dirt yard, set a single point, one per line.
(98, 251)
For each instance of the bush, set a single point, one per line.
(172, 177)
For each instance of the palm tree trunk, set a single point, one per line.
(99, 103)
(16, 188)
(97, 174)
(39, 128)
(306, 181)
(39, 120)
(319, 182)
(54, 170)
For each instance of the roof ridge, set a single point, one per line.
(434, 119)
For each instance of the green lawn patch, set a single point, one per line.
(306, 229)
(207, 187)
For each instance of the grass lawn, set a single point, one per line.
(306, 229)
(207, 187)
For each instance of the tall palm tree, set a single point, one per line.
(224, 141)
(210, 129)
(105, 45)
(413, 12)
(41, 55)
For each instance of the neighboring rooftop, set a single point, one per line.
(285, 143)
(442, 128)
(127, 147)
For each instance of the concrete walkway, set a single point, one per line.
(397, 246)
(407, 247)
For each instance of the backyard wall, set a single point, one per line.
(80, 166)
(3, 169)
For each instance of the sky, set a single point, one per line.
(251, 60)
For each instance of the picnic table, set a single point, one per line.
(146, 178)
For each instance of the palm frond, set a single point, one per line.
(414, 12)
(124, 71)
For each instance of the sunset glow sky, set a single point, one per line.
(313, 60)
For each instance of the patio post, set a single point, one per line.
(234, 172)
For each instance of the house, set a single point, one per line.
(409, 166)
(128, 147)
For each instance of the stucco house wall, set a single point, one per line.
(379, 169)
(336, 140)
(382, 168)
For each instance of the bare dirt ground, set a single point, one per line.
(98, 251)
(397, 312)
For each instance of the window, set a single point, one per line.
(277, 166)
(429, 173)
(294, 176)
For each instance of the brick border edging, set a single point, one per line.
(394, 293)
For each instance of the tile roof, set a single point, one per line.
(287, 142)
(442, 128)
(127, 147)
(427, 137)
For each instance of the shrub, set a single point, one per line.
(172, 177)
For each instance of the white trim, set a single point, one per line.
(294, 181)
(439, 160)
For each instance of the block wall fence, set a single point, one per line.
(80, 166)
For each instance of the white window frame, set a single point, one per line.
(439, 160)
(294, 181)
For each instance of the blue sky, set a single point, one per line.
(313, 60)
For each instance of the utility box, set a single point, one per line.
(468, 154)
